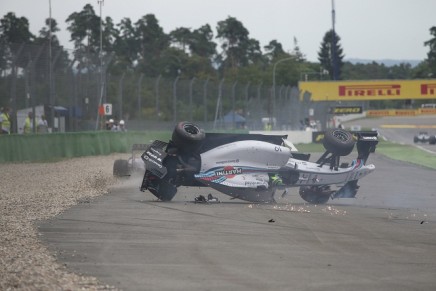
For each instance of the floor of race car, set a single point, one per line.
(383, 240)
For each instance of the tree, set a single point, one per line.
(44, 33)
(297, 52)
(201, 42)
(59, 57)
(331, 55)
(152, 41)
(180, 37)
(273, 50)
(431, 55)
(15, 30)
(126, 46)
(235, 43)
(254, 53)
(84, 27)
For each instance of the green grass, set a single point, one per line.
(406, 153)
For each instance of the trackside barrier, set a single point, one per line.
(401, 112)
(53, 146)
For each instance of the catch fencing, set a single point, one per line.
(32, 76)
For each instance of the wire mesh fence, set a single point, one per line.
(72, 86)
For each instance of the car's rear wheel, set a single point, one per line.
(187, 136)
(338, 141)
(315, 195)
(432, 139)
(121, 168)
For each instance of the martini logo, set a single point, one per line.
(428, 89)
(370, 90)
(229, 172)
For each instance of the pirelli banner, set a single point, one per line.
(369, 90)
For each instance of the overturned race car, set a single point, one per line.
(252, 167)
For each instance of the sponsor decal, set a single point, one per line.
(370, 90)
(253, 183)
(228, 162)
(404, 112)
(228, 172)
(156, 151)
(346, 110)
(428, 89)
(151, 155)
(147, 158)
(369, 138)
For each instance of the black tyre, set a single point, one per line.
(338, 141)
(432, 139)
(187, 136)
(314, 195)
(415, 139)
(121, 168)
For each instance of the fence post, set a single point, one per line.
(32, 85)
(259, 103)
(120, 86)
(52, 88)
(218, 102)
(246, 96)
(103, 84)
(139, 95)
(175, 99)
(14, 128)
(156, 87)
(233, 105)
(190, 98)
(205, 98)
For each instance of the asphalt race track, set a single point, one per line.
(401, 129)
(385, 239)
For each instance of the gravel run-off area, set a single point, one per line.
(31, 192)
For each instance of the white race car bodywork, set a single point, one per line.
(252, 164)
(252, 167)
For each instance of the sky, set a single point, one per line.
(369, 29)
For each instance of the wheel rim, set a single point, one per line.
(341, 135)
(189, 128)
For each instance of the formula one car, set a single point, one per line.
(252, 167)
(424, 137)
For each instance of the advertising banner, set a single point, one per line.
(369, 90)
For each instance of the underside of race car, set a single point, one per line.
(252, 167)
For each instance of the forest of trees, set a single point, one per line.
(142, 47)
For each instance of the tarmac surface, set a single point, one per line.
(401, 129)
(385, 239)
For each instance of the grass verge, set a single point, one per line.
(395, 151)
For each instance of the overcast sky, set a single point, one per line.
(369, 29)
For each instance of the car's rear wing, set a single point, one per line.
(366, 143)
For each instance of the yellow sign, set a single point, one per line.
(369, 90)
(400, 112)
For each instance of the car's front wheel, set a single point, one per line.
(338, 141)
(315, 195)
